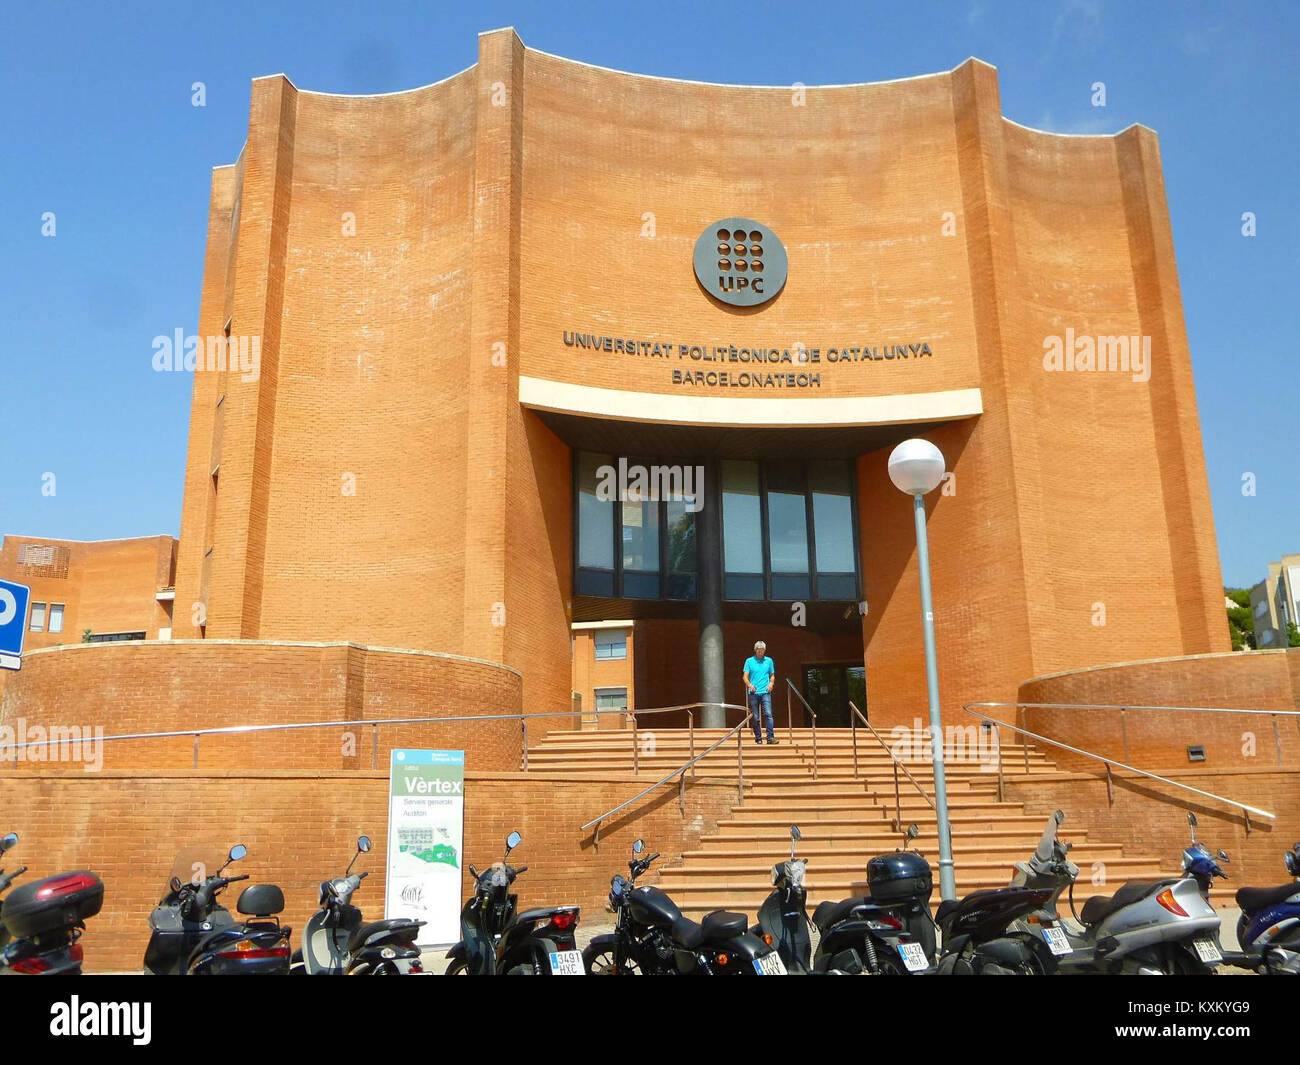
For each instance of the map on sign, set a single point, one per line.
(13, 623)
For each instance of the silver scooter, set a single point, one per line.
(1148, 927)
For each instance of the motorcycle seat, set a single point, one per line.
(828, 914)
(1099, 907)
(716, 927)
(949, 907)
(395, 925)
(1254, 899)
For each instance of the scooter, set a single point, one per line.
(337, 940)
(1148, 927)
(41, 922)
(194, 935)
(7, 843)
(496, 939)
(651, 937)
(1269, 928)
(783, 917)
(889, 931)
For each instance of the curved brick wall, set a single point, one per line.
(172, 686)
(1259, 680)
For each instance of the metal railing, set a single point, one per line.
(789, 717)
(856, 715)
(680, 772)
(989, 721)
(1123, 715)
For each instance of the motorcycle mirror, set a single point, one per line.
(1191, 819)
(8, 842)
(175, 884)
(236, 852)
(913, 831)
(363, 844)
(638, 846)
(795, 834)
(1059, 817)
(512, 841)
(1223, 856)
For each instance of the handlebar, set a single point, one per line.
(521, 869)
(363, 875)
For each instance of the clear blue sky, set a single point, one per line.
(99, 129)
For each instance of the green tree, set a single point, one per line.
(1292, 635)
(1241, 622)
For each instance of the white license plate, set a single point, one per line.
(770, 965)
(914, 958)
(567, 963)
(1057, 941)
(1206, 949)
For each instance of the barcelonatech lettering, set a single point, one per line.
(77, 1018)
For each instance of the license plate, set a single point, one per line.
(914, 959)
(1057, 941)
(770, 965)
(1206, 949)
(566, 963)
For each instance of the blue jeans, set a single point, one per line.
(760, 705)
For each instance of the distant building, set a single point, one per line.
(118, 589)
(1274, 602)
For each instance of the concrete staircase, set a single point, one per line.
(845, 817)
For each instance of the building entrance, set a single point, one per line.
(828, 687)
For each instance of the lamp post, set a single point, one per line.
(916, 467)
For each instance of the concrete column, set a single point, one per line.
(708, 545)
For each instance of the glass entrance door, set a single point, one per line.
(828, 687)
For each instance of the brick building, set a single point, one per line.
(471, 297)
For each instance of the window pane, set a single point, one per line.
(610, 645)
(831, 484)
(641, 536)
(742, 522)
(787, 519)
(38, 617)
(681, 537)
(611, 698)
(595, 515)
(56, 617)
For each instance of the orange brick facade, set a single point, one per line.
(411, 261)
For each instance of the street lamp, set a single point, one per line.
(916, 467)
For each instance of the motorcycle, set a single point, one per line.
(783, 917)
(41, 922)
(651, 937)
(7, 843)
(337, 940)
(1268, 930)
(888, 932)
(192, 934)
(1148, 927)
(496, 939)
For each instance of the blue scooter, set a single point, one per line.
(1269, 928)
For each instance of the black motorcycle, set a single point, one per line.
(338, 940)
(496, 939)
(651, 937)
(41, 923)
(194, 935)
(783, 917)
(889, 931)
(7, 843)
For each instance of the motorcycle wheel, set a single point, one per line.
(887, 965)
(459, 967)
(599, 961)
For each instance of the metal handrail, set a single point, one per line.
(898, 764)
(1123, 716)
(789, 718)
(1108, 762)
(373, 722)
(681, 769)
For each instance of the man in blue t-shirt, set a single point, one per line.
(759, 673)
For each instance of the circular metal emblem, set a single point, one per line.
(740, 262)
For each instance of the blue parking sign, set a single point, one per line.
(13, 622)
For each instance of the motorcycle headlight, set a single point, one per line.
(796, 873)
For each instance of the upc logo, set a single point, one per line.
(740, 262)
